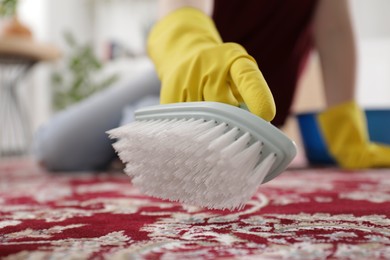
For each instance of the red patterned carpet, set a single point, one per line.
(303, 214)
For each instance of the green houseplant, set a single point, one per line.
(8, 8)
(77, 79)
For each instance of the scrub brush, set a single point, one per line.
(205, 154)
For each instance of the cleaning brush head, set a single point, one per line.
(206, 154)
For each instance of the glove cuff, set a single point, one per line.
(345, 133)
(182, 31)
(343, 109)
(347, 113)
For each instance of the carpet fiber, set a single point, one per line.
(303, 214)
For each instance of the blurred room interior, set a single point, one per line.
(116, 31)
(309, 212)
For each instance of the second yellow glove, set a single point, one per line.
(195, 65)
(344, 130)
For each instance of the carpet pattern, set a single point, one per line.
(302, 214)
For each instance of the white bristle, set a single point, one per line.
(194, 161)
(249, 156)
(237, 146)
(212, 133)
(224, 140)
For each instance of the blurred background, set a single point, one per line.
(107, 39)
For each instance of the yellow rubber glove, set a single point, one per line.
(345, 133)
(194, 64)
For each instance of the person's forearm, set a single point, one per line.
(335, 42)
(167, 6)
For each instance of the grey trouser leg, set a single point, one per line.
(75, 139)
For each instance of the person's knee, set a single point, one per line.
(49, 153)
(57, 154)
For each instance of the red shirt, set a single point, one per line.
(277, 33)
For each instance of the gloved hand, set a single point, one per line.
(195, 65)
(345, 134)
